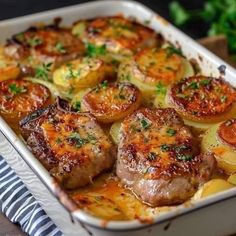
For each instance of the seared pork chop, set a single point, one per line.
(71, 145)
(158, 157)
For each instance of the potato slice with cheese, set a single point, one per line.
(232, 179)
(81, 73)
(100, 206)
(212, 187)
(110, 102)
(9, 69)
(114, 132)
(220, 140)
(202, 101)
(152, 68)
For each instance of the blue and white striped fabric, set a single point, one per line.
(18, 204)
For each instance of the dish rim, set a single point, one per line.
(49, 182)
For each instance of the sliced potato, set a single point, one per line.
(114, 131)
(224, 154)
(81, 73)
(100, 206)
(212, 187)
(77, 98)
(110, 102)
(203, 99)
(232, 179)
(152, 69)
(9, 69)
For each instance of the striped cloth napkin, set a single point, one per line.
(18, 204)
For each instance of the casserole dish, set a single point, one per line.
(176, 221)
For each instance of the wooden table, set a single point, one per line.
(9, 229)
(217, 44)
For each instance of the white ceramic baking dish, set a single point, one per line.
(211, 216)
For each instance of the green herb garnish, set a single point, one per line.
(42, 71)
(71, 74)
(223, 98)
(152, 156)
(165, 147)
(161, 89)
(205, 82)
(79, 141)
(13, 88)
(58, 141)
(173, 50)
(184, 157)
(94, 51)
(104, 84)
(194, 85)
(171, 132)
(59, 47)
(145, 124)
(34, 41)
(77, 105)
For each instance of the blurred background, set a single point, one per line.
(197, 18)
(13, 8)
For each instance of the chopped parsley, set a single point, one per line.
(34, 41)
(152, 156)
(13, 88)
(77, 105)
(223, 98)
(59, 47)
(58, 141)
(104, 84)
(160, 88)
(165, 147)
(94, 51)
(79, 141)
(71, 74)
(171, 132)
(184, 157)
(178, 151)
(145, 124)
(205, 82)
(194, 85)
(42, 71)
(173, 50)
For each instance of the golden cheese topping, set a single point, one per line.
(119, 35)
(110, 102)
(202, 98)
(81, 73)
(227, 132)
(160, 66)
(20, 97)
(156, 143)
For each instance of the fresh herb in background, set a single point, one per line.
(220, 14)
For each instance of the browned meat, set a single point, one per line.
(71, 145)
(43, 45)
(158, 158)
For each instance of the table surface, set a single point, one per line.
(14, 8)
(7, 228)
